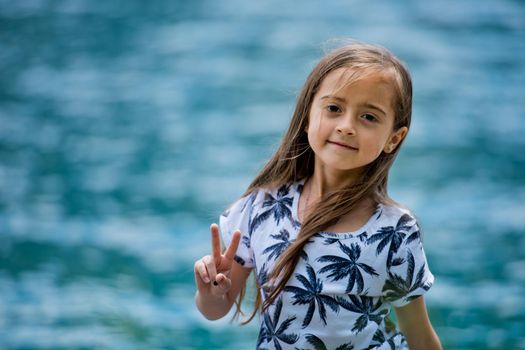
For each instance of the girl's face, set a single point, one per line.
(349, 125)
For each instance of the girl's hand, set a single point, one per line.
(212, 272)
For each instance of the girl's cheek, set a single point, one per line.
(315, 122)
(322, 126)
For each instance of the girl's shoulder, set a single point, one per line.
(394, 214)
(264, 196)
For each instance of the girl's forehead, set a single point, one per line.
(341, 78)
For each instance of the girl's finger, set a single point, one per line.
(223, 285)
(215, 242)
(232, 249)
(210, 267)
(200, 271)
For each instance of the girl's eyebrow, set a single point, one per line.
(366, 104)
(373, 106)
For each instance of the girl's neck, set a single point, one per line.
(351, 221)
(323, 181)
(316, 187)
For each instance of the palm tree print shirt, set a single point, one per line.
(344, 285)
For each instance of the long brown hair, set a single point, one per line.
(294, 159)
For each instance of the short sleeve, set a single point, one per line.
(409, 276)
(237, 217)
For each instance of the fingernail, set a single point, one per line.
(215, 283)
(206, 280)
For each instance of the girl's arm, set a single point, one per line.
(415, 325)
(219, 278)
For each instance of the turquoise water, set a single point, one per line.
(126, 127)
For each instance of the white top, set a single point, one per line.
(344, 284)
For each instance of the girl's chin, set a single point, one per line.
(338, 167)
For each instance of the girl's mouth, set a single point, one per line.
(342, 145)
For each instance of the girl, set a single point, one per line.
(331, 251)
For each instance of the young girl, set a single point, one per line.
(331, 251)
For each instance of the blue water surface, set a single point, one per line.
(126, 127)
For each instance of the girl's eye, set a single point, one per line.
(333, 109)
(369, 117)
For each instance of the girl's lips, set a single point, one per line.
(342, 145)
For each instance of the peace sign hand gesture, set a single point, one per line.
(212, 272)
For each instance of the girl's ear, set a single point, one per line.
(394, 140)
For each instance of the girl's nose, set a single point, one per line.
(346, 126)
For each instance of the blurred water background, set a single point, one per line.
(127, 126)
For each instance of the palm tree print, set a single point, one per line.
(378, 211)
(341, 267)
(296, 223)
(416, 235)
(239, 260)
(318, 344)
(271, 332)
(277, 249)
(246, 239)
(280, 207)
(248, 203)
(262, 275)
(363, 237)
(393, 237)
(331, 240)
(365, 306)
(396, 287)
(311, 295)
(380, 338)
(262, 279)
(328, 241)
